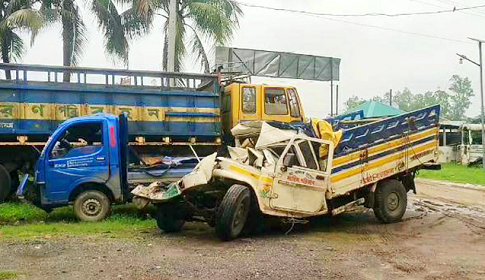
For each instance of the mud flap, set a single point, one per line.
(408, 182)
(23, 187)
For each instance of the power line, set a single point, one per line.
(400, 31)
(359, 24)
(472, 13)
(361, 15)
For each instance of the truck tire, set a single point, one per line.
(390, 201)
(169, 217)
(92, 206)
(5, 184)
(233, 212)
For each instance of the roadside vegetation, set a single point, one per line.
(456, 173)
(24, 221)
(7, 274)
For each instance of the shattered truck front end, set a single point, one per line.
(284, 171)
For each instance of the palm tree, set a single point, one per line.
(198, 21)
(117, 27)
(17, 15)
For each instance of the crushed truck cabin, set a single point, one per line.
(297, 172)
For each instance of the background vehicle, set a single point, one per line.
(470, 150)
(164, 119)
(295, 176)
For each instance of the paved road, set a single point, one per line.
(441, 237)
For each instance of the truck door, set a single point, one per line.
(301, 177)
(80, 154)
(250, 110)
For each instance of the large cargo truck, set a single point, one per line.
(168, 112)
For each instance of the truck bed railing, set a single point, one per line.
(385, 130)
(345, 121)
(109, 77)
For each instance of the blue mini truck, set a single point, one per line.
(87, 162)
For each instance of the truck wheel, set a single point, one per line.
(92, 206)
(5, 184)
(168, 217)
(233, 212)
(390, 201)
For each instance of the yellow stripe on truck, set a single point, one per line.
(358, 169)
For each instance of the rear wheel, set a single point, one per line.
(233, 212)
(390, 201)
(170, 217)
(5, 184)
(92, 206)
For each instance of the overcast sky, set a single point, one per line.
(373, 60)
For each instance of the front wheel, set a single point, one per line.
(92, 206)
(233, 212)
(170, 217)
(390, 201)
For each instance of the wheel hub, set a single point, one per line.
(92, 207)
(239, 215)
(393, 201)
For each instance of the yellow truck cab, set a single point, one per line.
(250, 102)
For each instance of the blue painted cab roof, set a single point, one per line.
(100, 116)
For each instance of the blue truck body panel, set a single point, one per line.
(31, 105)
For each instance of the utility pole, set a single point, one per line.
(331, 87)
(479, 64)
(336, 100)
(172, 34)
(390, 97)
(481, 100)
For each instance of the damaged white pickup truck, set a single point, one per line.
(288, 174)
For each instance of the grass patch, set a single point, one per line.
(125, 221)
(12, 212)
(7, 274)
(456, 173)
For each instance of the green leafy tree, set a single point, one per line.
(405, 100)
(197, 21)
(15, 16)
(117, 27)
(460, 93)
(353, 102)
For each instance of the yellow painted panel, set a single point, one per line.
(357, 169)
(67, 111)
(191, 119)
(383, 147)
(91, 109)
(132, 112)
(62, 112)
(37, 111)
(9, 110)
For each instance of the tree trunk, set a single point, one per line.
(5, 57)
(67, 37)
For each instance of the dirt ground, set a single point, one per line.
(441, 237)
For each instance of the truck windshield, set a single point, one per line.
(275, 101)
(79, 139)
(294, 107)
